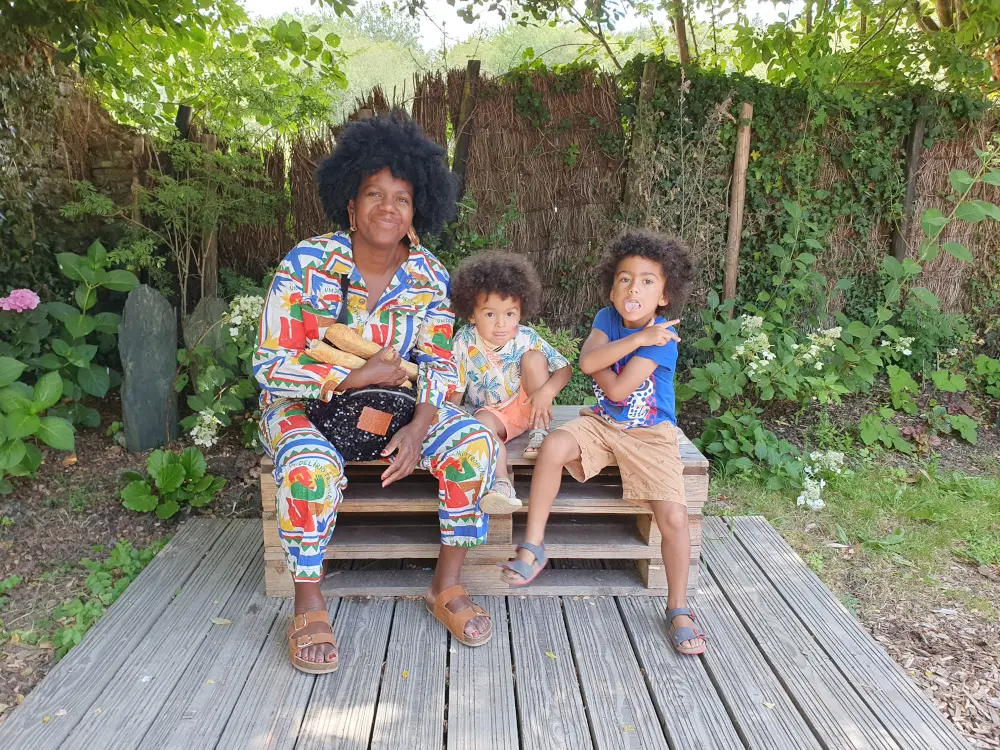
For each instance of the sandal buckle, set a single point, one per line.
(295, 621)
(303, 641)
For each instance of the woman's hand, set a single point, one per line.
(407, 444)
(384, 368)
(541, 408)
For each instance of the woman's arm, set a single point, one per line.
(280, 363)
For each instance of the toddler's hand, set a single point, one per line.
(541, 408)
(656, 334)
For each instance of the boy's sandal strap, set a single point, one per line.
(538, 550)
(679, 612)
(523, 569)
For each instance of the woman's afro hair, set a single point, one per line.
(509, 275)
(395, 141)
(670, 253)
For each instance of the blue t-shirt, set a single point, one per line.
(653, 401)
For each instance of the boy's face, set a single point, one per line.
(638, 289)
(496, 318)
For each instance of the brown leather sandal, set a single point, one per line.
(297, 642)
(456, 621)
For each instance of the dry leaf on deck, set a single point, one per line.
(221, 621)
(550, 655)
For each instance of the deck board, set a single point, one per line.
(481, 710)
(787, 668)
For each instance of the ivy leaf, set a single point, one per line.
(56, 433)
(959, 251)
(926, 296)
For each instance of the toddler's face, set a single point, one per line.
(638, 289)
(496, 318)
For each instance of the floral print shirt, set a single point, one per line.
(413, 316)
(490, 376)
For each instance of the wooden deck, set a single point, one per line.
(787, 668)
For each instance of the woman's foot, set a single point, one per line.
(309, 599)
(476, 630)
(501, 499)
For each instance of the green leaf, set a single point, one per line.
(86, 297)
(61, 311)
(82, 354)
(926, 296)
(194, 464)
(932, 222)
(970, 211)
(16, 396)
(966, 427)
(94, 380)
(71, 265)
(97, 254)
(960, 181)
(170, 477)
(120, 281)
(166, 509)
(80, 325)
(21, 424)
(958, 250)
(157, 460)
(137, 496)
(30, 463)
(992, 177)
(106, 322)
(56, 433)
(48, 391)
(858, 329)
(11, 454)
(10, 370)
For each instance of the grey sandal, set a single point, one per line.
(528, 571)
(684, 633)
(535, 439)
(501, 499)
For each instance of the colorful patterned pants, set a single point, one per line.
(309, 473)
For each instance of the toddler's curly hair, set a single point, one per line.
(507, 274)
(670, 253)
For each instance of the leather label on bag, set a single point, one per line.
(374, 421)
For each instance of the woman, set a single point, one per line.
(386, 182)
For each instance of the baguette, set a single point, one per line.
(348, 340)
(327, 354)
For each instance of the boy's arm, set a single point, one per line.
(598, 353)
(619, 387)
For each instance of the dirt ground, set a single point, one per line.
(945, 633)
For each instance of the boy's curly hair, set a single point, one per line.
(670, 253)
(507, 274)
(395, 141)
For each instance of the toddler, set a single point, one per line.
(631, 354)
(508, 376)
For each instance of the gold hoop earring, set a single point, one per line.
(413, 237)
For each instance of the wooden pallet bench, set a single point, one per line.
(599, 543)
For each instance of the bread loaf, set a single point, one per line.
(323, 352)
(347, 340)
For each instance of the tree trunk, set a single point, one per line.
(680, 29)
(737, 199)
(210, 242)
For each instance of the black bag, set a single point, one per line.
(360, 421)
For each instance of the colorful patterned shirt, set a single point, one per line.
(413, 316)
(491, 376)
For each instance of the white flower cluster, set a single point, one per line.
(820, 341)
(900, 346)
(820, 462)
(206, 430)
(243, 316)
(756, 347)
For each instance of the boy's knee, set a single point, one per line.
(559, 447)
(672, 516)
(534, 360)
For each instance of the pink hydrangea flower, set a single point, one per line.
(20, 300)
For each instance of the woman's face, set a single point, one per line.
(383, 209)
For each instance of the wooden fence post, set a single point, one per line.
(737, 199)
(914, 150)
(464, 129)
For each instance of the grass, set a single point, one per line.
(77, 497)
(882, 528)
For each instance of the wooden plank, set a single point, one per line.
(130, 702)
(690, 711)
(201, 703)
(601, 537)
(481, 710)
(341, 709)
(620, 710)
(766, 716)
(76, 682)
(549, 700)
(269, 711)
(410, 710)
(838, 716)
(485, 580)
(889, 694)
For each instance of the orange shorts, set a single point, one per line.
(515, 415)
(647, 457)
